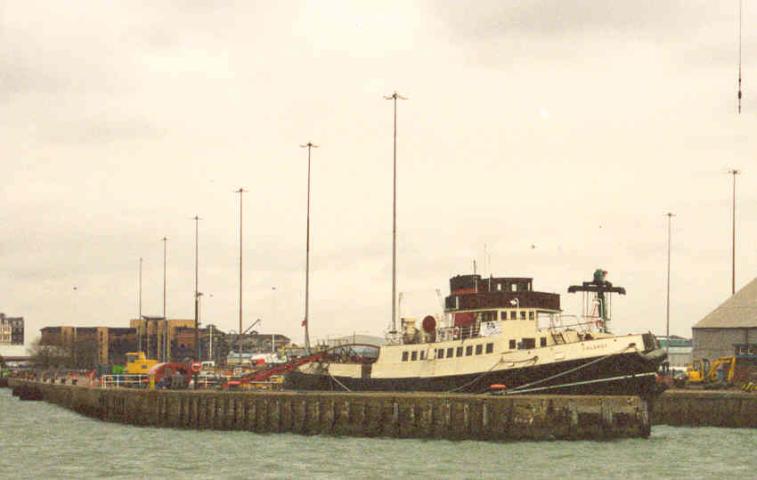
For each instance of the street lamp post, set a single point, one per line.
(139, 314)
(241, 191)
(394, 97)
(163, 343)
(197, 295)
(667, 300)
(733, 172)
(306, 322)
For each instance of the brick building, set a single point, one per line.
(11, 330)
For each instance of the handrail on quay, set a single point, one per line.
(125, 381)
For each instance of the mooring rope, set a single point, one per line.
(489, 371)
(338, 382)
(573, 384)
(566, 372)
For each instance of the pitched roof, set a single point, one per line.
(739, 311)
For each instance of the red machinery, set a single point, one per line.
(341, 352)
(169, 369)
(266, 373)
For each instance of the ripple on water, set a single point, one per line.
(38, 440)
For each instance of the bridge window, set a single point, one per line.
(522, 315)
(513, 315)
(423, 354)
(528, 343)
(503, 315)
(440, 353)
(404, 356)
(479, 349)
(469, 350)
(512, 344)
(449, 352)
(459, 352)
(543, 342)
(414, 356)
(489, 347)
(531, 315)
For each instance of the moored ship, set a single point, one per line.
(498, 333)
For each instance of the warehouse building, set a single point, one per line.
(729, 329)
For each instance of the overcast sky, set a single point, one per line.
(556, 133)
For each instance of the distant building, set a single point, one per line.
(164, 340)
(156, 336)
(11, 330)
(90, 346)
(729, 328)
(679, 350)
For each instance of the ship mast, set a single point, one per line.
(601, 289)
(394, 97)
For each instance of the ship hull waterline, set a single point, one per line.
(630, 373)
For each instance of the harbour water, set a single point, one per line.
(39, 440)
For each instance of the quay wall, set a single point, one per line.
(416, 415)
(710, 408)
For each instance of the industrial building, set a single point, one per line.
(729, 329)
(679, 350)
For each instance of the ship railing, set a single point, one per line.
(458, 333)
(124, 381)
(574, 322)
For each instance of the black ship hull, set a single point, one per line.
(621, 374)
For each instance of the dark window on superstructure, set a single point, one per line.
(440, 353)
(479, 349)
(489, 347)
(512, 344)
(513, 315)
(503, 315)
(469, 350)
(404, 356)
(450, 351)
(531, 315)
(528, 343)
(414, 356)
(459, 352)
(423, 355)
(522, 315)
(543, 342)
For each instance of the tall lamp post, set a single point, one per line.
(197, 295)
(241, 192)
(667, 298)
(139, 314)
(165, 319)
(310, 146)
(394, 97)
(733, 172)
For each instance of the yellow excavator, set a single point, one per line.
(138, 364)
(705, 373)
